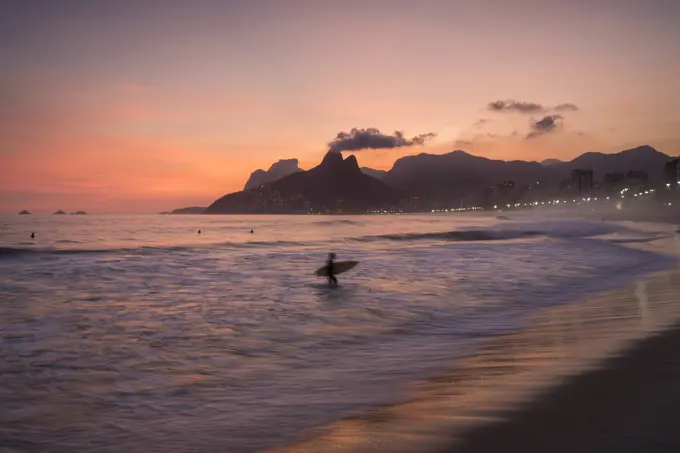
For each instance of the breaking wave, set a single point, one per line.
(562, 229)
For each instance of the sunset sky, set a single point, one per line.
(143, 106)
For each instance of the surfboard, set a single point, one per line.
(339, 267)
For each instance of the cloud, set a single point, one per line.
(463, 143)
(515, 106)
(566, 107)
(545, 125)
(372, 138)
(529, 107)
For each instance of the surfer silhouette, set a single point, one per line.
(332, 280)
(32, 235)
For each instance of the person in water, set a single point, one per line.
(32, 235)
(332, 280)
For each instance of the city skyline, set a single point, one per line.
(147, 106)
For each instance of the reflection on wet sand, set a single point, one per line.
(507, 372)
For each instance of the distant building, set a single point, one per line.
(613, 182)
(506, 186)
(506, 193)
(636, 177)
(671, 171)
(582, 180)
(489, 197)
(614, 179)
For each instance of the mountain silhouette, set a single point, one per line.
(339, 184)
(189, 210)
(550, 162)
(336, 184)
(377, 174)
(457, 174)
(642, 158)
(285, 167)
(278, 170)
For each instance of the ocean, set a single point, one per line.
(138, 334)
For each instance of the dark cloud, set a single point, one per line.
(528, 107)
(515, 106)
(372, 138)
(463, 143)
(510, 135)
(545, 125)
(566, 107)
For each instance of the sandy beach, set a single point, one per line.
(597, 375)
(628, 404)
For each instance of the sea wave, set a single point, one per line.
(563, 229)
(461, 235)
(559, 230)
(12, 252)
(337, 222)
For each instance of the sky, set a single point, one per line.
(145, 106)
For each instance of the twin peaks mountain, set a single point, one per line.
(285, 167)
(337, 185)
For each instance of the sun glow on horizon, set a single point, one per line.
(127, 114)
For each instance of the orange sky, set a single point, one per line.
(127, 107)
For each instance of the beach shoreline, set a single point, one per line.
(521, 391)
(628, 403)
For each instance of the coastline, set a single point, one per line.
(629, 403)
(570, 380)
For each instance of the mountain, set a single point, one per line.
(189, 210)
(336, 185)
(457, 174)
(287, 167)
(278, 170)
(551, 162)
(643, 158)
(377, 174)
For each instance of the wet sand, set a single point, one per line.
(602, 374)
(629, 404)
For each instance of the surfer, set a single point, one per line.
(332, 281)
(32, 235)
